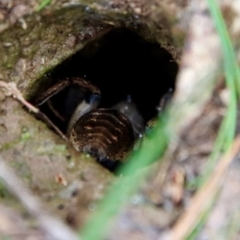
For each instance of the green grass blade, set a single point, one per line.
(43, 4)
(230, 62)
(232, 77)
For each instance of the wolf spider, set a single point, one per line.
(108, 134)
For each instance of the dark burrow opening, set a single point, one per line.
(122, 65)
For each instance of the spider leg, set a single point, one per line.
(165, 99)
(50, 92)
(85, 85)
(129, 109)
(90, 102)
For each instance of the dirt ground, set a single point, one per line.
(47, 183)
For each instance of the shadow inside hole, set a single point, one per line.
(121, 64)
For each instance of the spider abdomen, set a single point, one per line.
(104, 133)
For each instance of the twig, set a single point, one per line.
(204, 196)
(54, 111)
(48, 121)
(11, 90)
(52, 226)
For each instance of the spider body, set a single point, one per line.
(106, 134)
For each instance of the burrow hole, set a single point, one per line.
(121, 64)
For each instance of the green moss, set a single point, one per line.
(51, 148)
(4, 193)
(60, 149)
(7, 145)
(25, 136)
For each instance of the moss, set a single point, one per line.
(51, 148)
(25, 136)
(4, 193)
(60, 149)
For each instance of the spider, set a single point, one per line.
(108, 134)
